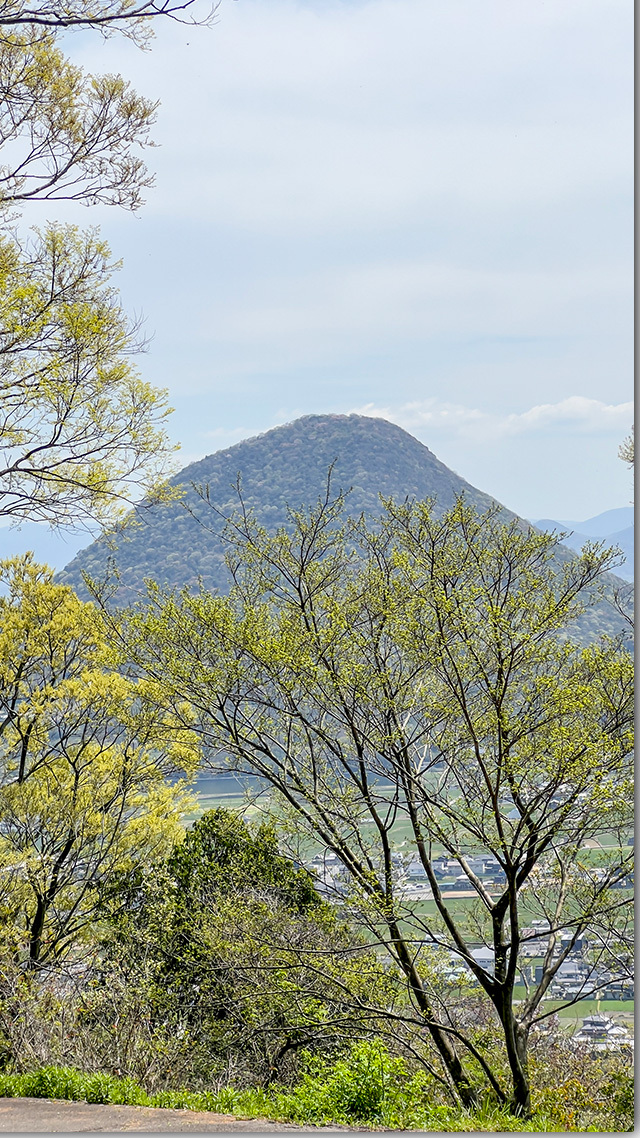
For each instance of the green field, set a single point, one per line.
(622, 1010)
(212, 791)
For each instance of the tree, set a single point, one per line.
(66, 135)
(237, 953)
(625, 450)
(411, 695)
(222, 855)
(132, 19)
(83, 766)
(79, 430)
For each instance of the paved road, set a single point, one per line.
(48, 1116)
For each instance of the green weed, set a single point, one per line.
(367, 1087)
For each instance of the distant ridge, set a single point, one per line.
(611, 521)
(615, 527)
(284, 467)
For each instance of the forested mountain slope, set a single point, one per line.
(285, 467)
(179, 543)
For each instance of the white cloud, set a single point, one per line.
(574, 415)
(361, 203)
(336, 310)
(287, 115)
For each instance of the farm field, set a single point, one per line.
(620, 1010)
(240, 792)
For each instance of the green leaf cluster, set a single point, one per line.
(238, 952)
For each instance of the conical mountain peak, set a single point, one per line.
(283, 468)
(286, 467)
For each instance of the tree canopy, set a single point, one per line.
(80, 433)
(79, 430)
(409, 691)
(83, 766)
(232, 945)
(65, 135)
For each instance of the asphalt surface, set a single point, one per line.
(49, 1116)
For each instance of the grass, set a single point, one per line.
(68, 1083)
(368, 1087)
(621, 1010)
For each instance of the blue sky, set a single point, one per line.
(415, 208)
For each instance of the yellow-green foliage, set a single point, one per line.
(419, 673)
(73, 135)
(79, 427)
(83, 763)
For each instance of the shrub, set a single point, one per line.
(367, 1085)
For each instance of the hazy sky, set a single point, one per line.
(419, 209)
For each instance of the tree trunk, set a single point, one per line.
(516, 1038)
(35, 933)
(43, 903)
(466, 1092)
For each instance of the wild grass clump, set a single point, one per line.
(368, 1087)
(68, 1083)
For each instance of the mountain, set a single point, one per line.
(611, 521)
(285, 467)
(615, 527)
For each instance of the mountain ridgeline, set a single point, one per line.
(286, 467)
(181, 543)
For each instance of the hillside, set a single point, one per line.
(286, 466)
(283, 467)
